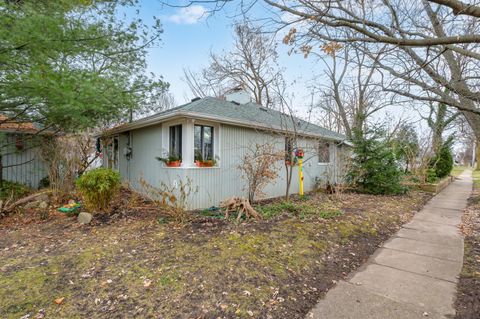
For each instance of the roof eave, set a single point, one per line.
(161, 118)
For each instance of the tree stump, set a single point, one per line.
(240, 205)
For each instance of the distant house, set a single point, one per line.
(222, 130)
(20, 160)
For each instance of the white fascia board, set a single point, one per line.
(156, 119)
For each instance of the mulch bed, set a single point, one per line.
(129, 263)
(468, 297)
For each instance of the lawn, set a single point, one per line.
(457, 170)
(135, 265)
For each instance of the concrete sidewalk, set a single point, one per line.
(414, 274)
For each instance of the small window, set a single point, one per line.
(19, 143)
(175, 142)
(324, 152)
(288, 149)
(203, 142)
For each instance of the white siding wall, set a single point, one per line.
(28, 174)
(216, 183)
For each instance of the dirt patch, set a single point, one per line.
(468, 297)
(136, 265)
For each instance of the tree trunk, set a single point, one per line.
(475, 161)
(1, 171)
(474, 122)
(289, 181)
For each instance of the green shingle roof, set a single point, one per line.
(251, 113)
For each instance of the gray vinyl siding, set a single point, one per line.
(217, 183)
(29, 173)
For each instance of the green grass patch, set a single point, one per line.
(272, 210)
(457, 170)
(302, 209)
(476, 179)
(212, 213)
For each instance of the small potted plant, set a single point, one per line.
(207, 162)
(171, 160)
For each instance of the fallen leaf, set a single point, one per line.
(59, 301)
(147, 283)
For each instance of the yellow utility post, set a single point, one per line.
(299, 155)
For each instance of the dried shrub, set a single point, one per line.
(98, 187)
(259, 168)
(67, 158)
(171, 199)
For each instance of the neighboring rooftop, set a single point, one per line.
(7, 125)
(248, 114)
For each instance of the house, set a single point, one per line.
(223, 130)
(19, 152)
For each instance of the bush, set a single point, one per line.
(431, 176)
(13, 190)
(44, 182)
(374, 169)
(98, 187)
(442, 162)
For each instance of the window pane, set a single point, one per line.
(208, 142)
(324, 152)
(175, 140)
(198, 142)
(288, 149)
(203, 142)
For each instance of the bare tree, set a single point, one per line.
(429, 49)
(202, 85)
(251, 64)
(440, 119)
(351, 95)
(259, 168)
(158, 101)
(290, 126)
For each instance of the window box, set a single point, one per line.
(206, 163)
(173, 163)
(171, 160)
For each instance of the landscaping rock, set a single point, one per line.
(43, 198)
(31, 205)
(43, 205)
(84, 218)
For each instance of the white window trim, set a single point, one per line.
(329, 153)
(109, 153)
(188, 156)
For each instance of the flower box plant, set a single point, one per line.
(208, 162)
(171, 160)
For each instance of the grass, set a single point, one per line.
(275, 268)
(457, 170)
(476, 179)
(303, 209)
